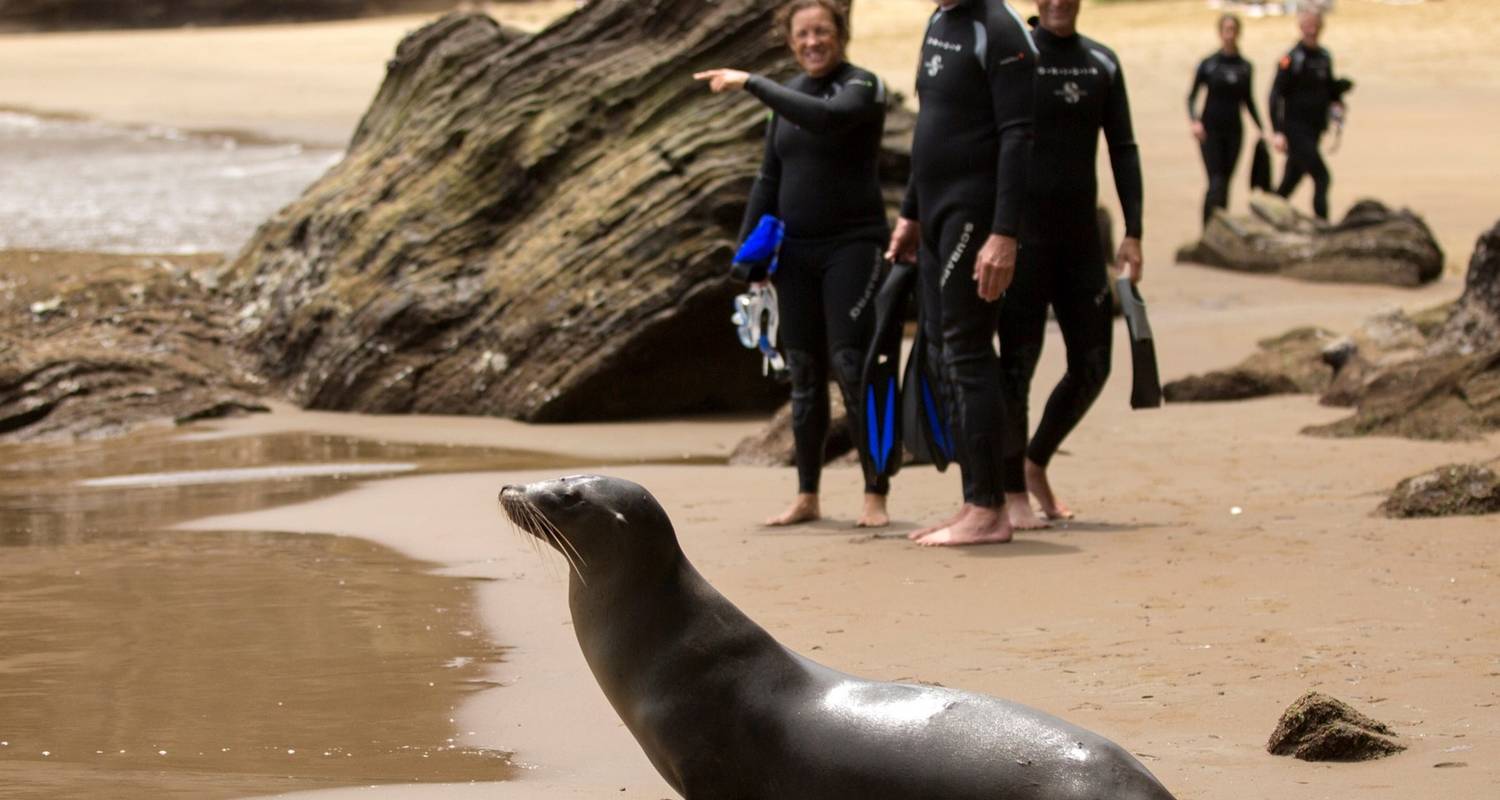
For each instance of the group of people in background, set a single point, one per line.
(1000, 217)
(1305, 98)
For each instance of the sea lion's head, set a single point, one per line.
(603, 526)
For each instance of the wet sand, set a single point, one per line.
(139, 662)
(1161, 618)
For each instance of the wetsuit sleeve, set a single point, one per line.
(1011, 58)
(909, 208)
(1198, 83)
(1250, 96)
(1276, 106)
(859, 99)
(1124, 156)
(767, 185)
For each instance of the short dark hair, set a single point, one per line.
(839, 11)
(1235, 18)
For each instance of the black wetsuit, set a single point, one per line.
(1228, 79)
(1080, 91)
(973, 137)
(1301, 97)
(820, 177)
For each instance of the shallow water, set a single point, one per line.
(141, 662)
(82, 185)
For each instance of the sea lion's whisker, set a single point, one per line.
(563, 546)
(540, 526)
(563, 537)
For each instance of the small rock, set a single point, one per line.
(1452, 490)
(1322, 728)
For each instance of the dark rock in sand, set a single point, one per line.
(1446, 397)
(1292, 363)
(94, 345)
(1474, 323)
(1451, 490)
(535, 227)
(52, 15)
(1321, 728)
(1372, 244)
(1450, 387)
(771, 446)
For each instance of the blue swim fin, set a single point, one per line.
(929, 436)
(880, 390)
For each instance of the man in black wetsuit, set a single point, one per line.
(959, 220)
(1301, 98)
(1080, 90)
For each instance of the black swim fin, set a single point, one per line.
(924, 417)
(880, 396)
(1145, 387)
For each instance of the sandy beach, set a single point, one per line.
(1221, 565)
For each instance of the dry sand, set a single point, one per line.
(1160, 619)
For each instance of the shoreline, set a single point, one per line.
(1161, 618)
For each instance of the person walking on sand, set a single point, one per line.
(1302, 97)
(959, 222)
(1080, 90)
(1227, 77)
(820, 177)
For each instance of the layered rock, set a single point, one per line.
(531, 227)
(1288, 364)
(1449, 388)
(1321, 728)
(1450, 490)
(101, 345)
(1372, 244)
(93, 14)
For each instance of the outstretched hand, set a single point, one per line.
(723, 80)
(1129, 259)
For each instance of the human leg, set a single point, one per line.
(804, 344)
(850, 280)
(1080, 297)
(972, 370)
(1023, 324)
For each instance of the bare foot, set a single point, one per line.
(803, 509)
(953, 520)
(984, 525)
(875, 515)
(1022, 518)
(1036, 483)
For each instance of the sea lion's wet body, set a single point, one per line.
(725, 712)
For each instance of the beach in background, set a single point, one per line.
(1221, 565)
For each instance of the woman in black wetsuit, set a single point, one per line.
(1218, 129)
(820, 177)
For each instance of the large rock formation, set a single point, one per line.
(92, 14)
(1451, 388)
(536, 227)
(99, 345)
(1372, 244)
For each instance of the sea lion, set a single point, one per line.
(724, 712)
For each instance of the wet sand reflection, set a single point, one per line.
(137, 662)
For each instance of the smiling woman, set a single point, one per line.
(820, 178)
